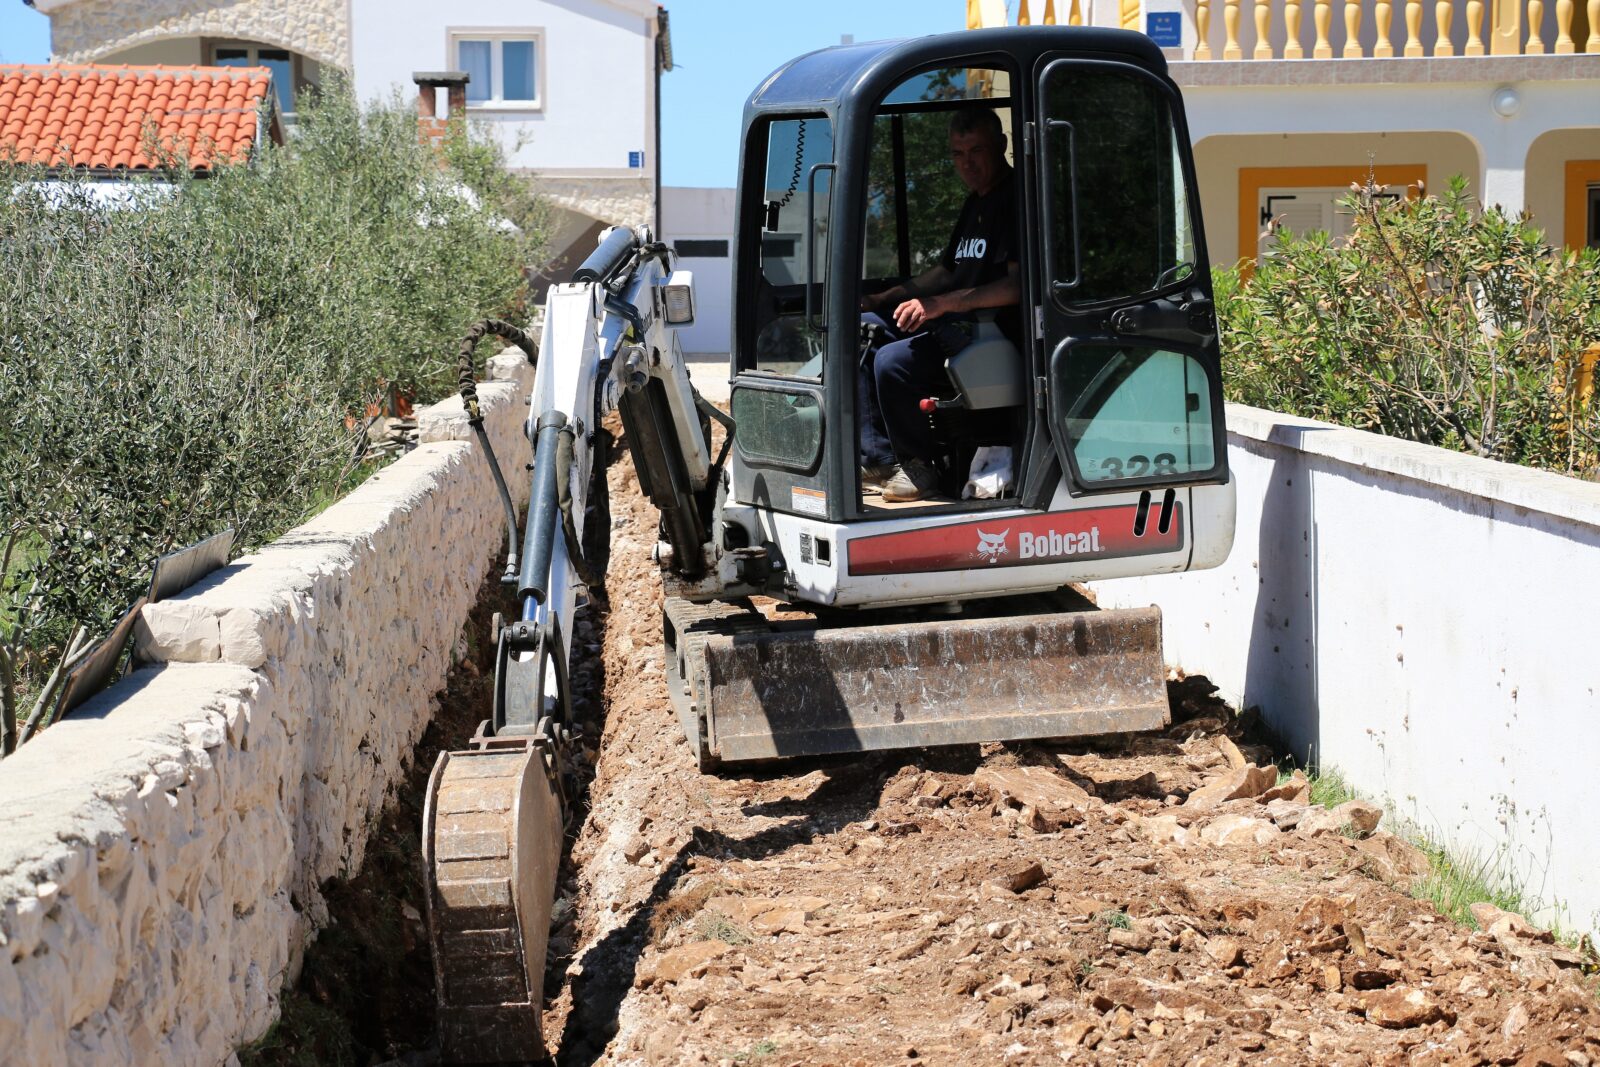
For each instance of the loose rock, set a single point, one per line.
(1402, 1007)
(1239, 784)
(1355, 818)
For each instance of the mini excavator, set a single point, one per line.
(803, 614)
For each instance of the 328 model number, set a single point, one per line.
(1138, 466)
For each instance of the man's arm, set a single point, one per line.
(1002, 292)
(935, 279)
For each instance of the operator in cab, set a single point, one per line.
(931, 317)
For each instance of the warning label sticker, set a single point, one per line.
(809, 501)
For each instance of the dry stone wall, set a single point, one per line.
(161, 850)
(615, 201)
(88, 30)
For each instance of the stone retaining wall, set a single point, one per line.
(162, 849)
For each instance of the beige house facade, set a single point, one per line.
(1290, 101)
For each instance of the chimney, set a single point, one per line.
(430, 128)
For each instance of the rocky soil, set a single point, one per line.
(1162, 899)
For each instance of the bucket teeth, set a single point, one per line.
(751, 690)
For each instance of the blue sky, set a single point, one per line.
(722, 48)
(24, 34)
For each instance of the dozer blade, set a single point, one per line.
(491, 850)
(753, 690)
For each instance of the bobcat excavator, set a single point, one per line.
(803, 614)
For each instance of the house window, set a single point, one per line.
(1582, 204)
(1303, 199)
(278, 60)
(1301, 211)
(503, 68)
(695, 248)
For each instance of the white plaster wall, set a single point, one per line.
(1421, 620)
(598, 81)
(695, 212)
(161, 850)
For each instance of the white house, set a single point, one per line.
(569, 86)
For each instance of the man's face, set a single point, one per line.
(979, 159)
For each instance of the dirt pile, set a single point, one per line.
(1162, 899)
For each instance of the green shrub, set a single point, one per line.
(170, 370)
(1433, 322)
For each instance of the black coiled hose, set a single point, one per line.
(467, 379)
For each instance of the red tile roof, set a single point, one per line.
(102, 117)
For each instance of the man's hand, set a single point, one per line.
(912, 315)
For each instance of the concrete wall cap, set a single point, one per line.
(1507, 483)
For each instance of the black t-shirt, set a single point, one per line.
(984, 241)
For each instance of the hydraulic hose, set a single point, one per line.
(467, 378)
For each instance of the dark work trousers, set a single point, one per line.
(891, 383)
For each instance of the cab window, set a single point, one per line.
(795, 220)
(1119, 221)
(913, 193)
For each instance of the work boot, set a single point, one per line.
(913, 480)
(873, 475)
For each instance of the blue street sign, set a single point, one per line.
(635, 160)
(1165, 28)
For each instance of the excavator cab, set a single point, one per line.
(1102, 384)
(953, 619)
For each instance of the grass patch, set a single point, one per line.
(681, 907)
(1329, 789)
(1116, 918)
(712, 925)
(758, 1051)
(307, 1034)
(1454, 885)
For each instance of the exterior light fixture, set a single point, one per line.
(677, 298)
(1506, 101)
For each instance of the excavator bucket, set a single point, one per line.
(750, 688)
(491, 847)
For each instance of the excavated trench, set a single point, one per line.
(1160, 899)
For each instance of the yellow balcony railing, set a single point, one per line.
(1515, 27)
(1290, 29)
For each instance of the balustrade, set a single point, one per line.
(1515, 27)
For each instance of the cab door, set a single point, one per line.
(1132, 384)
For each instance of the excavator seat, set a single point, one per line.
(988, 374)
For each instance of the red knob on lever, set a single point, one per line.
(928, 405)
